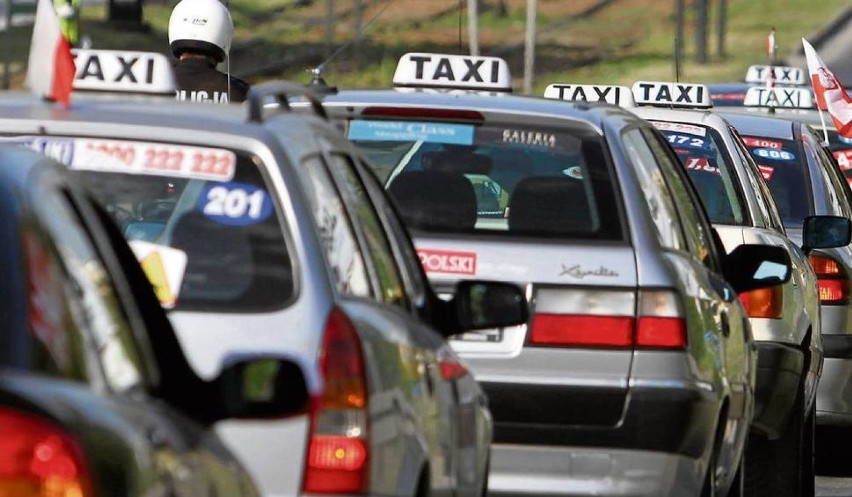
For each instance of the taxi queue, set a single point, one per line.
(596, 292)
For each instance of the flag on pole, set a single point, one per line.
(51, 69)
(830, 94)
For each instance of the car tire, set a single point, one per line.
(783, 467)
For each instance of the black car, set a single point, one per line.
(96, 395)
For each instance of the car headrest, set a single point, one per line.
(549, 205)
(435, 200)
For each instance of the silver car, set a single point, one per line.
(635, 373)
(264, 232)
(805, 182)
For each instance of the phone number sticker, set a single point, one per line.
(768, 153)
(762, 143)
(235, 204)
(679, 140)
(680, 128)
(164, 159)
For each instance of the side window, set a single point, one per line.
(409, 263)
(660, 204)
(833, 199)
(335, 232)
(838, 182)
(375, 239)
(695, 223)
(95, 308)
(768, 215)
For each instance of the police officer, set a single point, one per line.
(200, 37)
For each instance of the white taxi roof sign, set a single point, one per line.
(613, 94)
(668, 94)
(779, 97)
(466, 72)
(784, 75)
(122, 71)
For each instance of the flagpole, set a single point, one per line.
(824, 129)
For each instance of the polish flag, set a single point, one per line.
(51, 67)
(829, 93)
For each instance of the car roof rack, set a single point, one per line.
(283, 91)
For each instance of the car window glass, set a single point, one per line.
(832, 198)
(695, 226)
(839, 186)
(378, 247)
(767, 210)
(494, 180)
(96, 308)
(660, 205)
(208, 212)
(701, 151)
(335, 231)
(786, 173)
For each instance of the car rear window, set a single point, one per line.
(494, 179)
(699, 149)
(841, 148)
(784, 168)
(200, 219)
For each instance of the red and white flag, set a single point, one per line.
(51, 67)
(830, 94)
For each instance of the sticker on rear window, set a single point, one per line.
(700, 164)
(529, 138)
(766, 171)
(447, 261)
(844, 159)
(768, 153)
(689, 141)
(410, 131)
(680, 128)
(762, 143)
(843, 139)
(235, 204)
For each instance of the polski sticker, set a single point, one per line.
(235, 204)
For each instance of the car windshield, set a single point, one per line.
(783, 167)
(201, 220)
(494, 179)
(711, 172)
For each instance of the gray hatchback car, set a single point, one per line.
(635, 372)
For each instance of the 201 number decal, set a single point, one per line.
(235, 204)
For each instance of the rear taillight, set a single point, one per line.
(39, 459)
(590, 318)
(338, 451)
(832, 279)
(764, 302)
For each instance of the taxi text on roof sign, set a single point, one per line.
(430, 70)
(124, 72)
(787, 98)
(665, 94)
(617, 95)
(784, 75)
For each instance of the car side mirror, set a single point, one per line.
(749, 267)
(821, 232)
(489, 304)
(261, 388)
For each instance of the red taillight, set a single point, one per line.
(661, 333)
(338, 453)
(452, 370)
(581, 331)
(832, 280)
(590, 318)
(423, 113)
(764, 302)
(38, 459)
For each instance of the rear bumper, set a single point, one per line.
(667, 417)
(779, 379)
(549, 471)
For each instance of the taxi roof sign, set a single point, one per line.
(458, 72)
(783, 98)
(616, 95)
(667, 94)
(784, 75)
(121, 71)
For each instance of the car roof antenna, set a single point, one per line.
(318, 83)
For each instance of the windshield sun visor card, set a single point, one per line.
(235, 204)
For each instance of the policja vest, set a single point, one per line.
(199, 81)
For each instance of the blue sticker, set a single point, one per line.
(235, 204)
(409, 131)
(843, 139)
(772, 154)
(688, 141)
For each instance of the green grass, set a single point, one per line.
(625, 41)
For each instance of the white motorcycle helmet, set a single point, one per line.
(201, 26)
